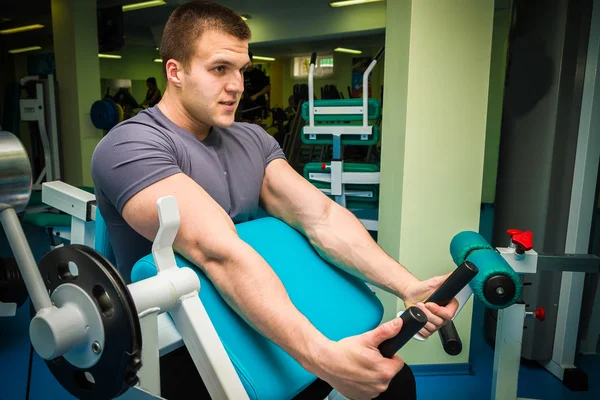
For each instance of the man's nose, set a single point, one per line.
(236, 83)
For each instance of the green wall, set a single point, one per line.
(434, 119)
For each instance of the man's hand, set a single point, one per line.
(254, 97)
(355, 367)
(419, 291)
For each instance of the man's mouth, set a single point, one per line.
(228, 103)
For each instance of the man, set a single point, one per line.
(188, 146)
(256, 86)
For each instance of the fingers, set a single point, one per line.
(384, 331)
(437, 316)
(446, 313)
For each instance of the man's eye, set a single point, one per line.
(220, 69)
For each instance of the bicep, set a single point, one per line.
(204, 225)
(287, 195)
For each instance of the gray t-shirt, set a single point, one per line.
(229, 165)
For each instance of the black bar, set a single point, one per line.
(313, 58)
(460, 278)
(450, 339)
(413, 320)
(379, 54)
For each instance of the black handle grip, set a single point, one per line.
(413, 320)
(460, 278)
(313, 58)
(379, 54)
(450, 339)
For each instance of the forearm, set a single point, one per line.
(253, 290)
(341, 239)
(264, 90)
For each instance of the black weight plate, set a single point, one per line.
(116, 369)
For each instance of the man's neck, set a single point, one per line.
(173, 110)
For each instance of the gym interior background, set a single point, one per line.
(458, 145)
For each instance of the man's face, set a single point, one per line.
(212, 87)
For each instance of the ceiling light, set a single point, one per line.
(260, 58)
(351, 51)
(143, 4)
(344, 3)
(114, 56)
(158, 60)
(20, 29)
(24, 49)
(245, 17)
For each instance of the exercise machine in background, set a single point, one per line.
(340, 123)
(40, 108)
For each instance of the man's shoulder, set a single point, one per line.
(141, 130)
(143, 126)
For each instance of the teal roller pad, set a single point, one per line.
(464, 243)
(347, 140)
(490, 264)
(373, 104)
(337, 304)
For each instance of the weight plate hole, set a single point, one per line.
(84, 380)
(104, 301)
(67, 271)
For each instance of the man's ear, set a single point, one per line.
(174, 72)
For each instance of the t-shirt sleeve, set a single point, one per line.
(130, 158)
(270, 148)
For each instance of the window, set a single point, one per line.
(323, 67)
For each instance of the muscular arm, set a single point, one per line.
(334, 231)
(208, 238)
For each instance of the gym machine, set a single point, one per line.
(41, 109)
(552, 122)
(103, 339)
(341, 122)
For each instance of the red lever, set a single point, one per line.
(323, 166)
(513, 232)
(524, 240)
(540, 314)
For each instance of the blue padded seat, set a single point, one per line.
(101, 240)
(337, 304)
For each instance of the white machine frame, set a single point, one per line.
(581, 214)
(173, 291)
(162, 334)
(337, 178)
(42, 109)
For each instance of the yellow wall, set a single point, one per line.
(78, 73)
(434, 119)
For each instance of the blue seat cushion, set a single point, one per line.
(337, 304)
